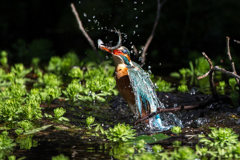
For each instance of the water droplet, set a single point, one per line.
(135, 2)
(160, 64)
(121, 0)
(140, 52)
(89, 20)
(122, 25)
(136, 17)
(142, 2)
(84, 14)
(149, 71)
(136, 25)
(135, 9)
(79, 2)
(106, 57)
(93, 17)
(149, 67)
(138, 35)
(141, 10)
(134, 32)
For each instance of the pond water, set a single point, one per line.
(76, 142)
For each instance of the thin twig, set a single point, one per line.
(135, 50)
(153, 31)
(90, 41)
(210, 73)
(237, 41)
(230, 58)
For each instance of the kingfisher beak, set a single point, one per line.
(103, 47)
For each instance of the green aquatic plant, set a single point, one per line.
(26, 141)
(50, 93)
(25, 125)
(163, 86)
(183, 88)
(60, 157)
(89, 121)
(6, 141)
(157, 148)
(35, 64)
(58, 114)
(76, 72)
(63, 65)
(6, 145)
(120, 132)
(19, 70)
(222, 137)
(183, 153)
(4, 59)
(176, 130)
(232, 82)
(72, 91)
(51, 80)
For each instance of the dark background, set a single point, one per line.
(42, 28)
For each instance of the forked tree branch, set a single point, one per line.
(90, 41)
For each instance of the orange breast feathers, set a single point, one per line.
(123, 85)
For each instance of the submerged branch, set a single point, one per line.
(180, 108)
(90, 41)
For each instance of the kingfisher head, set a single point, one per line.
(121, 54)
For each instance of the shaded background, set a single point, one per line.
(42, 28)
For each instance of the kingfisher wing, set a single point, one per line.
(143, 89)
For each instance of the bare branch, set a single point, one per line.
(237, 41)
(135, 50)
(90, 41)
(232, 74)
(159, 5)
(230, 58)
(210, 73)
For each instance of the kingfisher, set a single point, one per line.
(136, 87)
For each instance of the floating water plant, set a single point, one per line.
(176, 130)
(183, 88)
(120, 132)
(89, 121)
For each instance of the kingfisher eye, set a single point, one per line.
(125, 51)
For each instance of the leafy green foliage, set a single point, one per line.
(89, 121)
(63, 65)
(76, 72)
(58, 113)
(6, 141)
(26, 125)
(50, 93)
(26, 142)
(163, 86)
(60, 157)
(4, 59)
(176, 130)
(120, 132)
(183, 88)
(223, 143)
(222, 137)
